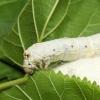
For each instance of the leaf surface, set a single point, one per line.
(6, 72)
(58, 18)
(41, 20)
(46, 85)
(9, 10)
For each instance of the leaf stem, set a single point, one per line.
(9, 84)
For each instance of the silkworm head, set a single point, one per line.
(28, 64)
(28, 67)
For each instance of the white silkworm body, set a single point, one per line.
(85, 67)
(63, 49)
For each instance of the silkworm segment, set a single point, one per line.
(40, 55)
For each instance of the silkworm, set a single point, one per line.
(40, 55)
(84, 67)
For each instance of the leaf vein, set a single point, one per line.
(13, 60)
(60, 97)
(35, 24)
(18, 24)
(28, 97)
(66, 12)
(12, 43)
(48, 18)
(12, 96)
(88, 24)
(80, 90)
(37, 88)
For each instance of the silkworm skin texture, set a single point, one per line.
(64, 49)
(84, 67)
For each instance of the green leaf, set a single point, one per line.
(21, 37)
(6, 72)
(9, 10)
(80, 18)
(17, 40)
(51, 19)
(39, 7)
(46, 85)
